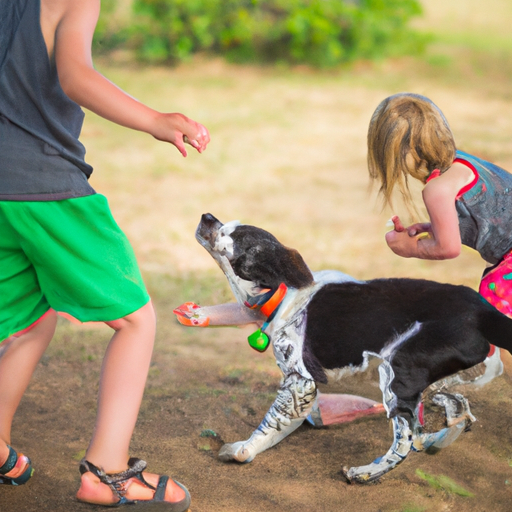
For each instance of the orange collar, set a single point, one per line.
(259, 340)
(272, 304)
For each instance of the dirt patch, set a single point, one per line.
(193, 404)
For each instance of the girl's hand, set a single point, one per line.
(419, 228)
(404, 241)
(397, 224)
(400, 242)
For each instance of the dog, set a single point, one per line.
(325, 325)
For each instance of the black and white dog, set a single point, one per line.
(325, 324)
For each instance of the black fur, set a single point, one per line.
(346, 319)
(457, 325)
(454, 324)
(261, 258)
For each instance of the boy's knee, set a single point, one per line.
(43, 325)
(143, 316)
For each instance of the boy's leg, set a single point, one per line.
(123, 378)
(18, 360)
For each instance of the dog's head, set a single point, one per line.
(252, 259)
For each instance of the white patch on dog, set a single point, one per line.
(223, 242)
(338, 374)
(224, 246)
(228, 228)
(388, 351)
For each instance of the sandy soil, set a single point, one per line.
(287, 154)
(212, 383)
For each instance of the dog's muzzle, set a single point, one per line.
(207, 230)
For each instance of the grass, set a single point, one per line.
(288, 151)
(288, 154)
(444, 483)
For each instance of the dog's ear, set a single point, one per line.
(259, 257)
(294, 269)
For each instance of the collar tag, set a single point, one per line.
(259, 341)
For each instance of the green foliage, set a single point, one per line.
(320, 33)
(110, 30)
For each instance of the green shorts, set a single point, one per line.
(67, 255)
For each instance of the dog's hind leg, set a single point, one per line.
(291, 407)
(402, 434)
(458, 419)
(395, 455)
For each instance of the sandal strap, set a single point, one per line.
(12, 461)
(161, 488)
(9, 464)
(116, 480)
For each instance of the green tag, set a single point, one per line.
(259, 341)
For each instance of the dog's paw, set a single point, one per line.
(235, 451)
(189, 314)
(354, 476)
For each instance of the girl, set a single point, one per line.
(468, 200)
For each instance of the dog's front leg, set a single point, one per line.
(229, 314)
(291, 407)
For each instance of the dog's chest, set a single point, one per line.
(287, 330)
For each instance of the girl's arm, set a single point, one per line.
(83, 84)
(443, 240)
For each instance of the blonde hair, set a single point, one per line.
(408, 136)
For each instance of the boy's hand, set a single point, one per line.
(180, 130)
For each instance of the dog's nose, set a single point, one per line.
(209, 220)
(208, 226)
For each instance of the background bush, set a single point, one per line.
(321, 33)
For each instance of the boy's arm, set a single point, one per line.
(90, 89)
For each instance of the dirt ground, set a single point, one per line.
(213, 384)
(287, 154)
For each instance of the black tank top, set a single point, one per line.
(41, 158)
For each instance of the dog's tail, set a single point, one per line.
(497, 328)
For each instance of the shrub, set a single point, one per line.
(111, 30)
(321, 33)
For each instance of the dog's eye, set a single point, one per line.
(224, 245)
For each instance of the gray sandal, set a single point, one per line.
(135, 468)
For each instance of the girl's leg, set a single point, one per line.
(18, 360)
(123, 378)
(495, 287)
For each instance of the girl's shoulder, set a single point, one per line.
(456, 180)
